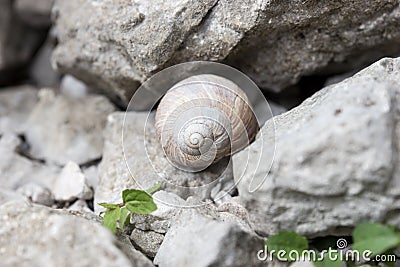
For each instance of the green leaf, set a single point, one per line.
(288, 242)
(125, 194)
(109, 206)
(110, 219)
(139, 202)
(328, 260)
(123, 217)
(374, 237)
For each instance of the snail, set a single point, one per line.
(203, 119)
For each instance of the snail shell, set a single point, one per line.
(202, 119)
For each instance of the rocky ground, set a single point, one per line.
(330, 155)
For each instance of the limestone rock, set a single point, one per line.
(73, 87)
(203, 241)
(80, 205)
(10, 196)
(159, 221)
(147, 241)
(62, 129)
(57, 238)
(274, 42)
(37, 194)
(71, 184)
(17, 170)
(335, 162)
(16, 103)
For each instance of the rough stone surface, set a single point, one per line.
(62, 129)
(139, 161)
(80, 205)
(147, 241)
(10, 196)
(336, 159)
(37, 194)
(71, 184)
(17, 170)
(57, 238)
(274, 42)
(159, 221)
(201, 240)
(15, 105)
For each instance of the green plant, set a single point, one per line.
(133, 202)
(373, 238)
(287, 241)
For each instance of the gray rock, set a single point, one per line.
(10, 196)
(62, 129)
(275, 43)
(37, 194)
(17, 170)
(160, 220)
(80, 205)
(73, 87)
(58, 238)
(92, 176)
(138, 161)
(147, 241)
(71, 184)
(16, 103)
(136, 257)
(335, 162)
(201, 240)
(34, 12)
(40, 69)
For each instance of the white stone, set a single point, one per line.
(16, 103)
(62, 128)
(71, 184)
(17, 170)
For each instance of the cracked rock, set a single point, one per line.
(58, 238)
(274, 42)
(336, 159)
(147, 241)
(199, 238)
(17, 170)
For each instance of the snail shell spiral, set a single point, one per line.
(202, 119)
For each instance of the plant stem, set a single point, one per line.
(153, 189)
